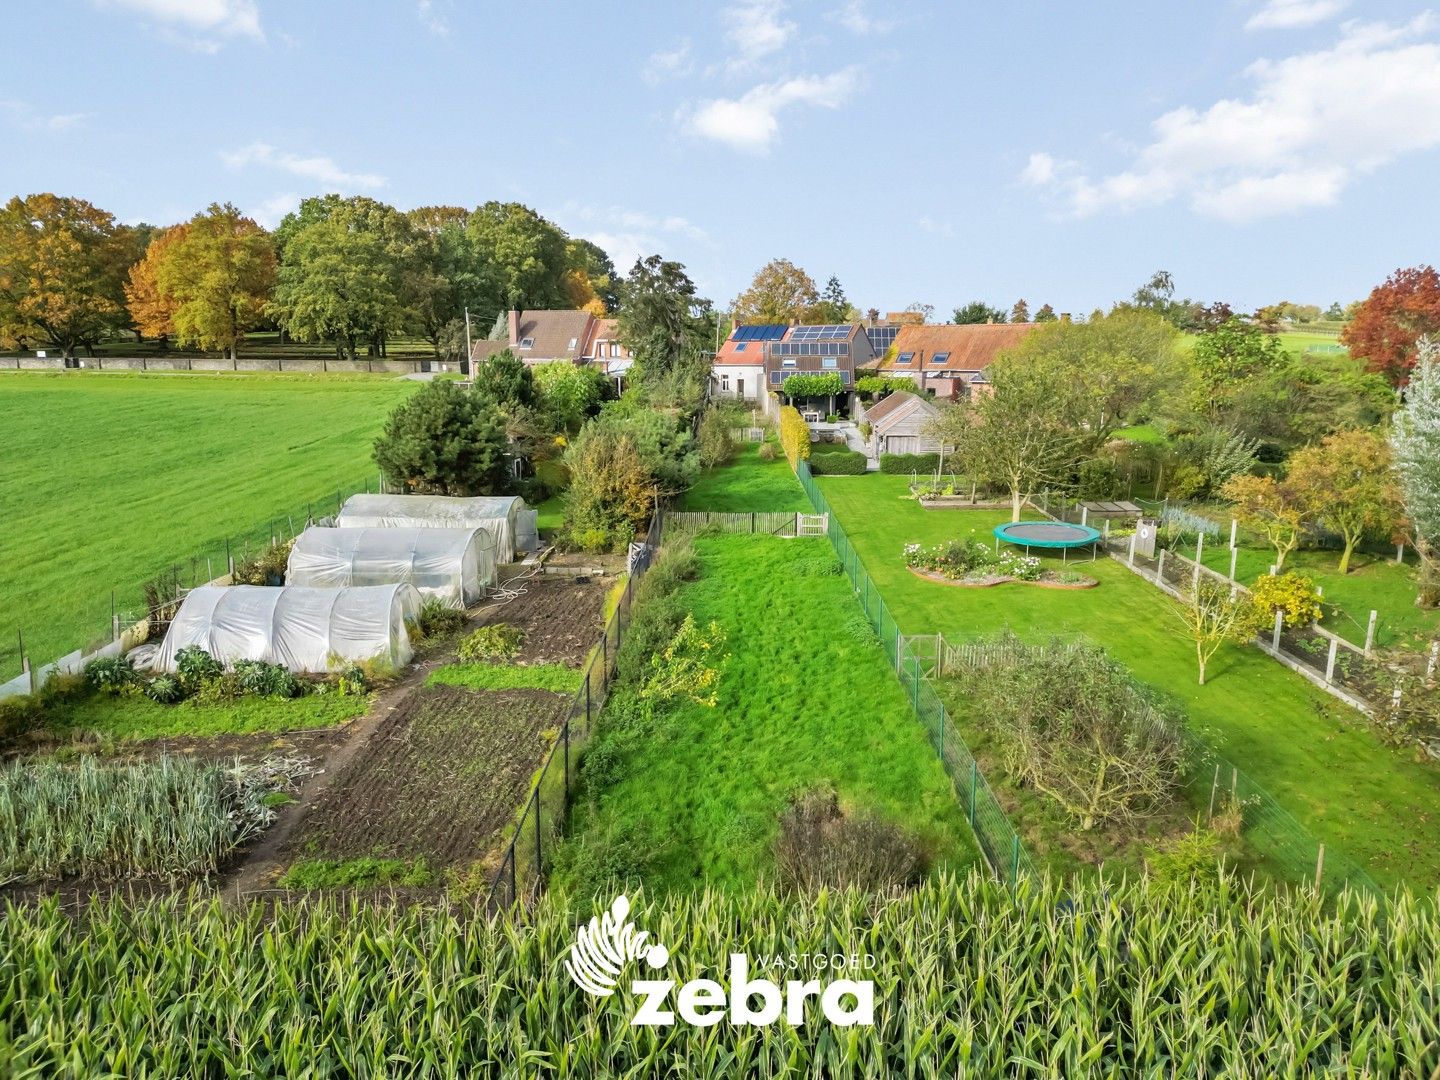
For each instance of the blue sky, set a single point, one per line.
(1259, 150)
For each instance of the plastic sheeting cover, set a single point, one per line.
(306, 629)
(497, 514)
(453, 565)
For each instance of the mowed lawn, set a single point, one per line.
(806, 699)
(746, 483)
(111, 479)
(1320, 760)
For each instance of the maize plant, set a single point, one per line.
(170, 817)
(971, 978)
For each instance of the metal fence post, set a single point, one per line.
(1015, 858)
(565, 734)
(538, 856)
(974, 778)
(514, 890)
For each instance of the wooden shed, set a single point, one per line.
(898, 423)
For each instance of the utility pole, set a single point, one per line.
(465, 364)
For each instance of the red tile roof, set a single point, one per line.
(971, 348)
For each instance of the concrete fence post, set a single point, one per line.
(1234, 561)
(1160, 567)
(1234, 529)
(1399, 554)
(1279, 625)
(1084, 515)
(1319, 865)
(1370, 633)
(1199, 552)
(1133, 537)
(1330, 661)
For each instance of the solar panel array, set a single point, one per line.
(759, 332)
(810, 348)
(881, 337)
(821, 333)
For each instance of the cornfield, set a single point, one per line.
(165, 818)
(972, 978)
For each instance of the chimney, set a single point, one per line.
(513, 321)
(1065, 316)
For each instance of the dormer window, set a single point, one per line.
(526, 343)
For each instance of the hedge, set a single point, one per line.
(838, 462)
(794, 435)
(905, 464)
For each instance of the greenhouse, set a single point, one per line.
(452, 565)
(502, 516)
(305, 629)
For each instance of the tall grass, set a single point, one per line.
(165, 818)
(971, 979)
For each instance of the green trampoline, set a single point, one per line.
(1059, 535)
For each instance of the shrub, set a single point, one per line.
(689, 667)
(499, 641)
(767, 451)
(612, 490)
(1099, 480)
(1290, 592)
(713, 438)
(196, 667)
(594, 865)
(266, 680)
(819, 847)
(442, 440)
(165, 689)
(224, 689)
(111, 674)
(819, 384)
(838, 463)
(20, 714)
(1194, 857)
(869, 385)
(265, 568)
(794, 436)
(438, 619)
(905, 464)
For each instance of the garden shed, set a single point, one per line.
(452, 565)
(307, 630)
(898, 423)
(499, 515)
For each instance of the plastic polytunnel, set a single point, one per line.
(307, 630)
(453, 565)
(499, 515)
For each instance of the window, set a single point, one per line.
(829, 363)
(775, 377)
(905, 358)
(788, 361)
(573, 343)
(844, 378)
(527, 343)
(939, 358)
(614, 348)
(740, 346)
(724, 382)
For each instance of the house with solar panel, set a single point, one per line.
(949, 361)
(757, 359)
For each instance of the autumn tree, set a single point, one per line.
(1213, 614)
(344, 272)
(1415, 443)
(611, 493)
(219, 275)
(152, 311)
(589, 262)
(1388, 325)
(1348, 483)
(63, 266)
(977, 311)
(780, 292)
(1020, 313)
(1271, 507)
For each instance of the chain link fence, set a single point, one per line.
(998, 840)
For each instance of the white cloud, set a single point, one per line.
(270, 212)
(435, 15)
(26, 118)
(627, 234)
(673, 63)
(756, 28)
(1294, 14)
(198, 23)
(857, 20)
(941, 229)
(315, 167)
(752, 121)
(1313, 123)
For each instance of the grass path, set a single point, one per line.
(748, 483)
(1320, 760)
(110, 479)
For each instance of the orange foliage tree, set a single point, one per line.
(151, 310)
(1390, 322)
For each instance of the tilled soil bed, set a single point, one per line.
(560, 617)
(440, 779)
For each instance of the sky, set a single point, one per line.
(926, 152)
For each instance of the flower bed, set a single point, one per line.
(933, 496)
(973, 562)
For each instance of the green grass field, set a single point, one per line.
(1320, 760)
(806, 698)
(747, 483)
(111, 479)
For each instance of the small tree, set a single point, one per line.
(1416, 445)
(611, 493)
(1214, 614)
(713, 439)
(977, 311)
(443, 441)
(1272, 508)
(1348, 482)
